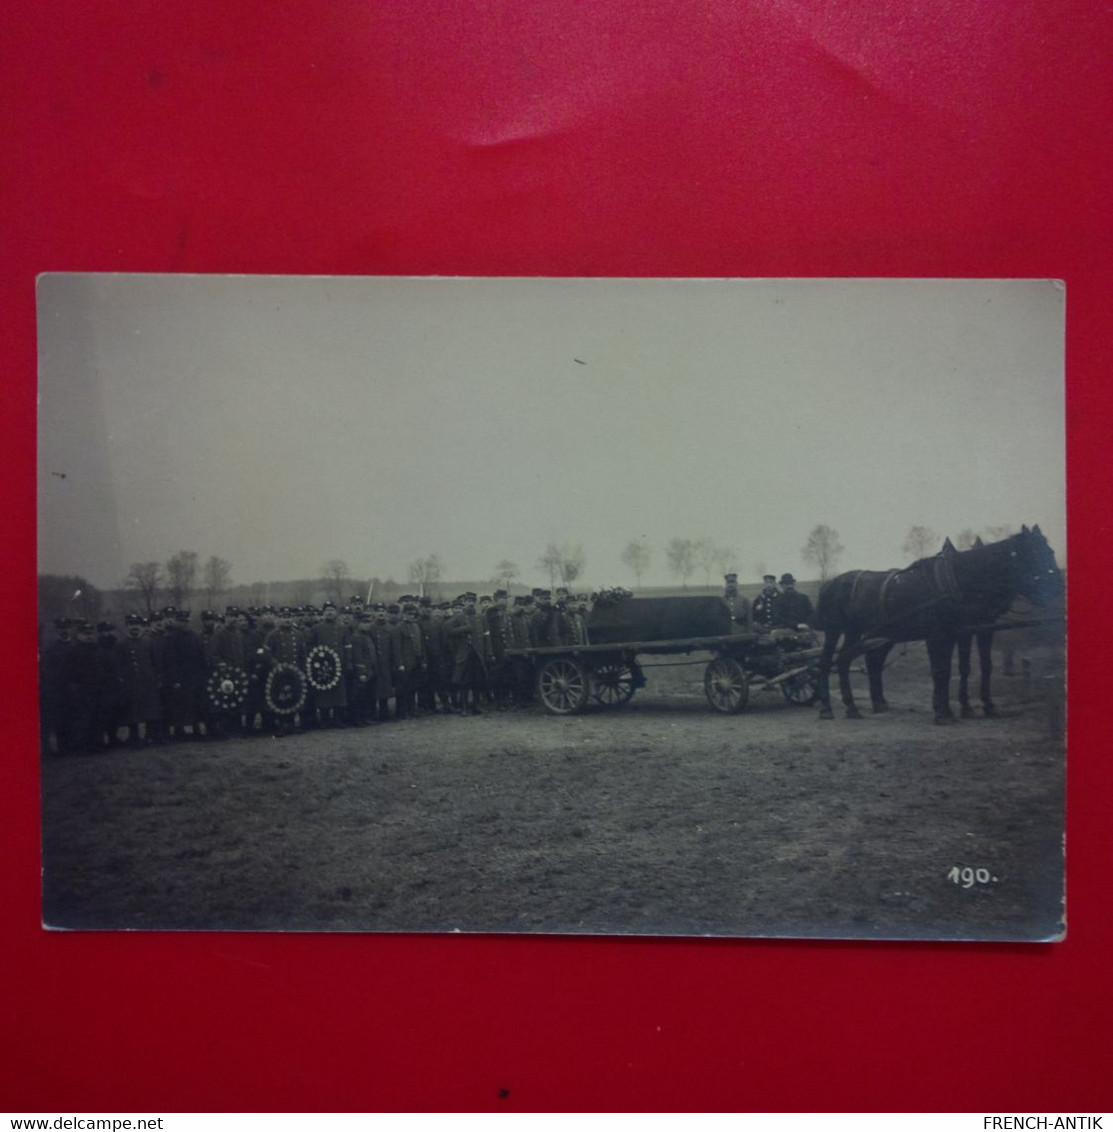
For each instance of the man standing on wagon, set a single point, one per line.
(741, 618)
(767, 605)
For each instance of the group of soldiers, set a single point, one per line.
(779, 606)
(270, 671)
(164, 680)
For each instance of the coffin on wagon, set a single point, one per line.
(606, 669)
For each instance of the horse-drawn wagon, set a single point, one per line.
(606, 669)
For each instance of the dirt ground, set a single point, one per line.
(660, 817)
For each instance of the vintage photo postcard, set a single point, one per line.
(638, 607)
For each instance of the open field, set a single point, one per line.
(659, 817)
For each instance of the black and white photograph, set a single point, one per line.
(651, 607)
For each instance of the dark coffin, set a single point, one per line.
(658, 619)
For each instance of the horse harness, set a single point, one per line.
(941, 585)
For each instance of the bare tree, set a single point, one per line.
(145, 580)
(919, 542)
(216, 578)
(965, 538)
(726, 559)
(550, 561)
(636, 557)
(571, 564)
(680, 554)
(705, 555)
(337, 576)
(426, 571)
(181, 575)
(823, 550)
(505, 572)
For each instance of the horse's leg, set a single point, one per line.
(875, 665)
(939, 653)
(964, 642)
(830, 640)
(846, 655)
(985, 660)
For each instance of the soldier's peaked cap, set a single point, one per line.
(769, 577)
(501, 593)
(730, 577)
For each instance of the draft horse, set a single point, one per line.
(942, 601)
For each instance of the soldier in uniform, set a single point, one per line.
(255, 625)
(469, 669)
(446, 657)
(794, 608)
(500, 636)
(522, 669)
(183, 676)
(231, 649)
(741, 613)
(330, 704)
(544, 629)
(143, 704)
(412, 651)
(766, 604)
(386, 642)
(430, 625)
(80, 723)
(361, 699)
(577, 619)
(111, 706)
(283, 645)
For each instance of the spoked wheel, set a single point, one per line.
(801, 690)
(614, 684)
(563, 686)
(725, 685)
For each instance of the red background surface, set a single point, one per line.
(755, 138)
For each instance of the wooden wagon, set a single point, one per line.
(607, 670)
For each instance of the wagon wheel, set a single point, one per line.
(725, 685)
(802, 689)
(614, 684)
(563, 686)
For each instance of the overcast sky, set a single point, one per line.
(281, 422)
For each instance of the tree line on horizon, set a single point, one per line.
(148, 586)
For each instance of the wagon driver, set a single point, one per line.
(793, 608)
